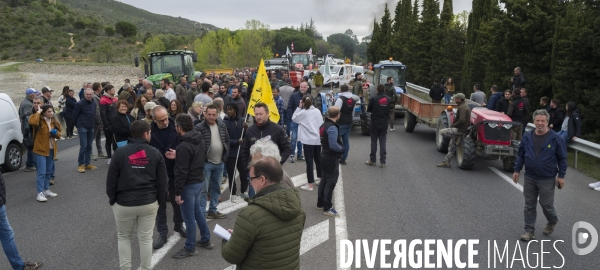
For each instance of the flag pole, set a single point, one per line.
(236, 161)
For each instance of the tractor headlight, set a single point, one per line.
(507, 126)
(493, 125)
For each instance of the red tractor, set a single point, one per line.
(488, 137)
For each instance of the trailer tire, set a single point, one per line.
(465, 153)
(410, 121)
(508, 163)
(442, 142)
(365, 124)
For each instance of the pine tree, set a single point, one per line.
(385, 35)
(372, 47)
(426, 39)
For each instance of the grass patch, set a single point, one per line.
(11, 68)
(587, 164)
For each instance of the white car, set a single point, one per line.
(11, 138)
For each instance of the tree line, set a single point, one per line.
(556, 43)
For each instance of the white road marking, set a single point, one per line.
(508, 179)
(341, 227)
(314, 236)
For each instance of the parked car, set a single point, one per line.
(11, 138)
(39, 60)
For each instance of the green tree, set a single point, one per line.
(109, 31)
(126, 29)
(385, 35)
(256, 40)
(105, 52)
(154, 44)
(344, 41)
(285, 36)
(428, 48)
(372, 46)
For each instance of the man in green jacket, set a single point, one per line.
(274, 216)
(462, 121)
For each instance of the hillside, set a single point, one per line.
(112, 11)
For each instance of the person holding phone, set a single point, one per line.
(46, 130)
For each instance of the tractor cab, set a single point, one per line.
(385, 69)
(171, 65)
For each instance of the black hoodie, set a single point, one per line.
(189, 161)
(436, 92)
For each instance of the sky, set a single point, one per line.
(330, 16)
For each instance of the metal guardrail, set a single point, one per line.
(590, 148)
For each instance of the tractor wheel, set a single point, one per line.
(508, 163)
(440, 141)
(410, 121)
(465, 153)
(365, 124)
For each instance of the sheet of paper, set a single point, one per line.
(221, 232)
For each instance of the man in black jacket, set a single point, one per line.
(379, 107)
(189, 177)
(557, 115)
(436, 92)
(333, 148)
(165, 140)
(517, 110)
(136, 183)
(518, 80)
(503, 103)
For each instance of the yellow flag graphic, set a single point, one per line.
(262, 93)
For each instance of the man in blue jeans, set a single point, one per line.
(189, 177)
(544, 155)
(293, 103)
(7, 237)
(216, 141)
(84, 115)
(346, 102)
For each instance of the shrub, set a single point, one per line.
(5, 56)
(65, 54)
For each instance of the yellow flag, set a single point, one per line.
(262, 93)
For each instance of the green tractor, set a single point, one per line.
(171, 65)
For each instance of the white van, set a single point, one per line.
(340, 74)
(11, 138)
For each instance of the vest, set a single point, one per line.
(325, 150)
(346, 111)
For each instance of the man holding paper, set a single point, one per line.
(272, 217)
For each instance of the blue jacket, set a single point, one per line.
(494, 98)
(84, 114)
(294, 102)
(551, 160)
(70, 106)
(234, 128)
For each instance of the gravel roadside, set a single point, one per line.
(56, 76)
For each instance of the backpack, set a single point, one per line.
(28, 132)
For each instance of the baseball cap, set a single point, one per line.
(149, 106)
(46, 89)
(211, 90)
(30, 91)
(459, 95)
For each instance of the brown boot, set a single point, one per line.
(445, 164)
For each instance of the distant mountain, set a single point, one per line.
(112, 11)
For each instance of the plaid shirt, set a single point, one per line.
(279, 102)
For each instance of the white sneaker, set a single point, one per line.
(392, 129)
(306, 187)
(108, 161)
(50, 193)
(234, 199)
(597, 189)
(41, 197)
(317, 181)
(595, 185)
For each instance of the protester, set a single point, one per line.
(518, 81)
(390, 91)
(97, 87)
(62, 99)
(333, 149)
(495, 97)
(7, 237)
(175, 108)
(191, 94)
(557, 115)
(108, 111)
(84, 117)
(293, 104)
(181, 91)
(462, 121)
(235, 127)
(161, 99)
(195, 111)
(449, 90)
(45, 129)
(309, 119)
(265, 148)
(265, 128)
(223, 94)
(541, 146)
(478, 96)
(218, 102)
(25, 111)
(216, 141)
(121, 124)
(136, 183)
(204, 97)
(545, 103)
(273, 217)
(345, 102)
(128, 94)
(504, 103)
(517, 110)
(436, 92)
(164, 139)
(190, 156)
(285, 92)
(148, 108)
(528, 105)
(279, 103)
(138, 111)
(379, 109)
(70, 102)
(571, 126)
(237, 99)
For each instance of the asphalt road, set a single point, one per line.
(409, 200)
